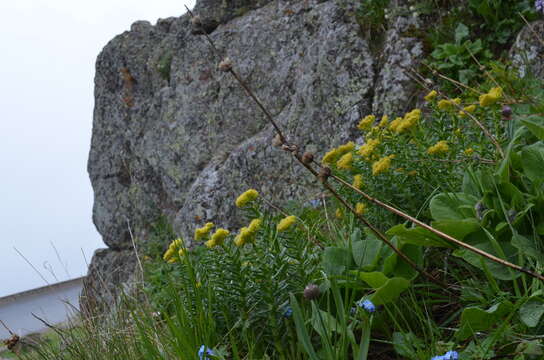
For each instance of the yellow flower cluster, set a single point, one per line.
(469, 151)
(246, 234)
(382, 165)
(468, 109)
(409, 120)
(174, 248)
(286, 222)
(217, 238)
(491, 97)
(366, 122)
(338, 213)
(368, 148)
(384, 121)
(247, 197)
(448, 104)
(431, 95)
(203, 231)
(358, 181)
(439, 148)
(334, 154)
(345, 161)
(360, 208)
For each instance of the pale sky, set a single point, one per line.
(47, 54)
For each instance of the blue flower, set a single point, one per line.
(287, 312)
(204, 349)
(539, 5)
(438, 357)
(367, 305)
(451, 355)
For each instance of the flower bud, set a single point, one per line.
(324, 173)
(311, 292)
(225, 65)
(506, 112)
(307, 158)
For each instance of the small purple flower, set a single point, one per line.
(539, 5)
(204, 350)
(315, 203)
(451, 355)
(367, 305)
(288, 312)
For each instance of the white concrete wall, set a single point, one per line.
(49, 303)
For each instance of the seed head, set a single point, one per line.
(506, 112)
(307, 158)
(225, 65)
(324, 174)
(311, 292)
(196, 21)
(276, 142)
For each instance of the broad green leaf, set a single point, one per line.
(499, 271)
(475, 319)
(336, 260)
(324, 323)
(461, 32)
(374, 279)
(416, 236)
(531, 312)
(533, 162)
(445, 206)
(535, 124)
(527, 246)
(366, 252)
(457, 228)
(402, 268)
(390, 291)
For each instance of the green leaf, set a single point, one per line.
(336, 260)
(302, 332)
(446, 206)
(535, 124)
(390, 291)
(324, 323)
(366, 253)
(374, 279)
(416, 236)
(475, 319)
(527, 247)
(457, 228)
(461, 32)
(531, 312)
(407, 344)
(498, 271)
(533, 162)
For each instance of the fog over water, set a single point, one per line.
(47, 54)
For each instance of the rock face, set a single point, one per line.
(174, 136)
(527, 53)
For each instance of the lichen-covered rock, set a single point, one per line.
(527, 53)
(174, 136)
(108, 271)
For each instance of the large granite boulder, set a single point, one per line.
(174, 136)
(527, 53)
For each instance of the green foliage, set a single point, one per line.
(164, 65)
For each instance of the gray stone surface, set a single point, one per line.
(527, 53)
(172, 135)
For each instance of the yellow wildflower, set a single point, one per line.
(439, 147)
(431, 95)
(247, 197)
(469, 151)
(254, 225)
(468, 109)
(342, 149)
(174, 247)
(457, 132)
(394, 124)
(368, 148)
(338, 213)
(411, 173)
(286, 222)
(198, 284)
(360, 208)
(210, 244)
(448, 104)
(330, 157)
(382, 165)
(345, 161)
(409, 120)
(384, 121)
(358, 181)
(366, 122)
(203, 231)
(219, 236)
(491, 97)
